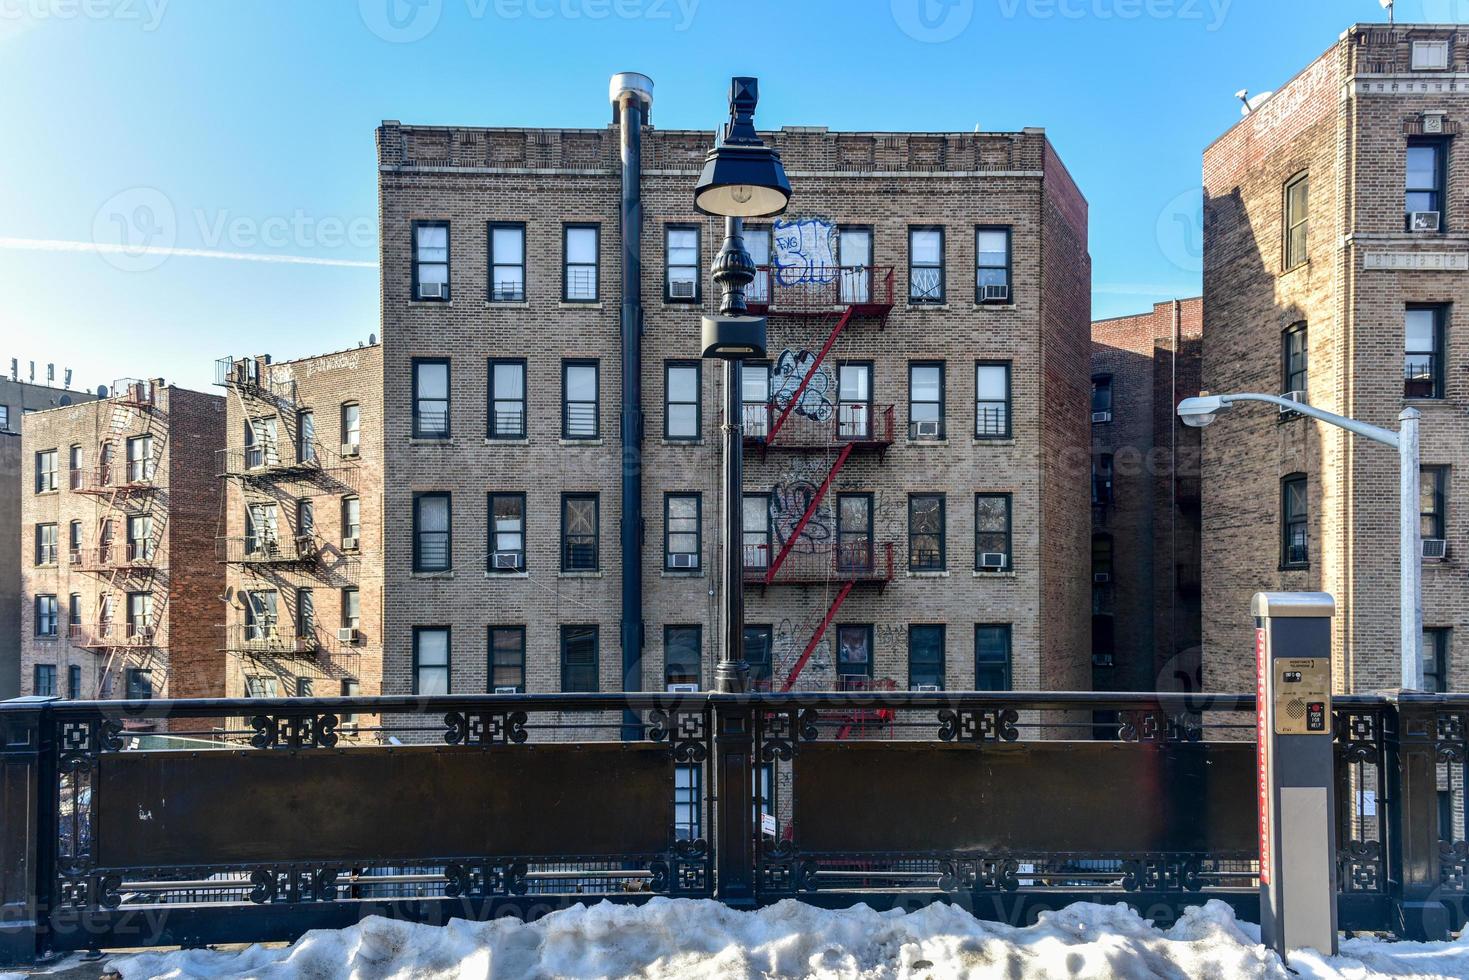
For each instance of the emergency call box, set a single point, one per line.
(1302, 694)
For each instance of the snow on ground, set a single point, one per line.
(702, 939)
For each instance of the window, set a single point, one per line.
(507, 659)
(45, 470)
(43, 680)
(755, 384)
(1101, 562)
(305, 614)
(926, 532)
(854, 248)
(682, 513)
(926, 400)
(46, 540)
(350, 688)
(140, 459)
(305, 518)
(1102, 398)
(1424, 185)
(74, 681)
(507, 263)
(351, 609)
(5, 409)
(681, 650)
(579, 659)
(992, 532)
(755, 525)
(757, 243)
(139, 684)
(1293, 358)
(140, 535)
(258, 686)
(688, 802)
(1433, 484)
(1297, 211)
(992, 265)
(579, 394)
(74, 541)
(992, 657)
(579, 552)
(681, 243)
(259, 444)
(507, 399)
(1293, 550)
(854, 657)
(925, 265)
(261, 614)
(1423, 349)
(992, 400)
(351, 429)
(1430, 55)
(507, 532)
(1436, 659)
(351, 523)
(431, 260)
(580, 246)
(74, 609)
(46, 615)
(758, 643)
(854, 532)
(925, 658)
(854, 400)
(74, 466)
(304, 687)
(140, 614)
(430, 398)
(306, 437)
(1102, 469)
(432, 547)
(430, 660)
(681, 400)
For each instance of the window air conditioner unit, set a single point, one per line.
(683, 689)
(681, 289)
(1295, 396)
(349, 449)
(994, 292)
(1101, 416)
(506, 560)
(992, 560)
(925, 687)
(432, 290)
(1101, 578)
(1423, 220)
(349, 544)
(926, 430)
(507, 689)
(1435, 549)
(347, 634)
(683, 561)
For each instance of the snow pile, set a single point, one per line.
(689, 939)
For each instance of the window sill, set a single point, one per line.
(431, 302)
(578, 574)
(586, 304)
(1416, 401)
(927, 307)
(506, 442)
(430, 440)
(581, 442)
(1010, 573)
(507, 304)
(935, 573)
(507, 574)
(926, 442)
(52, 637)
(1295, 268)
(682, 304)
(691, 443)
(681, 573)
(431, 575)
(997, 307)
(47, 493)
(994, 441)
(1293, 568)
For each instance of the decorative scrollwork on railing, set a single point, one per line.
(685, 871)
(1450, 729)
(1162, 873)
(1360, 868)
(1453, 866)
(1359, 736)
(460, 880)
(294, 731)
(983, 725)
(782, 731)
(958, 876)
(264, 886)
(485, 728)
(686, 732)
(82, 741)
(998, 874)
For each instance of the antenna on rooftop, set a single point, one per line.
(1251, 102)
(1389, 5)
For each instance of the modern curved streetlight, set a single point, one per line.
(1204, 409)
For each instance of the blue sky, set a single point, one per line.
(243, 129)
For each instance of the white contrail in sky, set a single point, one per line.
(135, 251)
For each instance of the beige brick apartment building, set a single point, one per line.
(118, 510)
(916, 446)
(1145, 500)
(300, 530)
(1336, 250)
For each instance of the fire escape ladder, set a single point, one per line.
(831, 339)
(811, 509)
(831, 614)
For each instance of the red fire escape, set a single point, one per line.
(837, 299)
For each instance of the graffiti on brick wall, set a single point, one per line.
(790, 498)
(817, 401)
(805, 251)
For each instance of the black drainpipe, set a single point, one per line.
(632, 98)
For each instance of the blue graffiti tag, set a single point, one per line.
(805, 251)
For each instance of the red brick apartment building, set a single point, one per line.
(1336, 249)
(1145, 500)
(118, 511)
(914, 511)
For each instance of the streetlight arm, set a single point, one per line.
(1385, 436)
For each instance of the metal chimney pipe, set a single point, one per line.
(632, 100)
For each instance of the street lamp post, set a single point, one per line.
(1201, 411)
